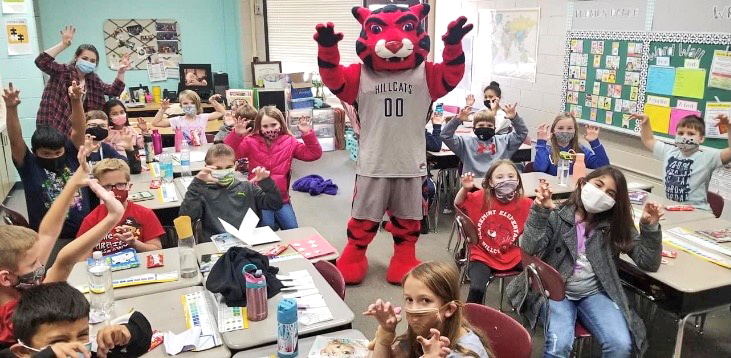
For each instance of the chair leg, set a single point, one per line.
(451, 235)
(502, 289)
(702, 319)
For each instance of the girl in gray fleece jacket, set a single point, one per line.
(478, 151)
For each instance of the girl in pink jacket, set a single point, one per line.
(271, 145)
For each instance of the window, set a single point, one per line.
(291, 24)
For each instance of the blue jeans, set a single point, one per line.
(281, 219)
(599, 315)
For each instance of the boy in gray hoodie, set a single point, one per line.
(215, 193)
(478, 151)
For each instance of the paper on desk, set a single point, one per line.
(314, 315)
(176, 343)
(249, 233)
(186, 181)
(195, 156)
(168, 193)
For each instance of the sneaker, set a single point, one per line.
(447, 211)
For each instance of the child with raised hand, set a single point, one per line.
(194, 118)
(436, 326)
(582, 239)
(491, 97)
(52, 320)
(687, 168)
(120, 132)
(139, 227)
(215, 193)
(245, 111)
(24, 253)
(499, 211)
(563, 136)
(270, 145)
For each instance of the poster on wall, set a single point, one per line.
(154, 41)
(17, 37)
(14, 7)
(512, 39)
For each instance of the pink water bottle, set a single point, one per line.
(156, 141)
(178, 139)
(256, 293)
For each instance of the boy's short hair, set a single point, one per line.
(46, 303)
(217, 151)
(246, 111)
(96, 114)
(483, 116)
(191, 95)
(46, 136)
(15, 241)
(109, 165)
(693, 122)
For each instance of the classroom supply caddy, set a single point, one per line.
(610, 74)
(351, 143)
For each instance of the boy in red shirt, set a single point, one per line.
(499, 211)
(139, 228)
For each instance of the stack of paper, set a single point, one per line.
(299, 285)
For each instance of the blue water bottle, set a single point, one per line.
(287, 328)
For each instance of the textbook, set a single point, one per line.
(339, 347)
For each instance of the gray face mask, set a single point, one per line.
(564, 137)
(686, 143)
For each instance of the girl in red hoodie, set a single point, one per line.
(270, 144)
(499, 211)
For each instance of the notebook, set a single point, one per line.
(339, 347)
(313, 247)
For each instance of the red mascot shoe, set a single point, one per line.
(353, 263)
(405, 234)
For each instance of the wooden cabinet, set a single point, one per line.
(7, 169)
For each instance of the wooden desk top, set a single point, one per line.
(211, 127)
(156, 106)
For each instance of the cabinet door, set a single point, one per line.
(4, 175)
(9, 166)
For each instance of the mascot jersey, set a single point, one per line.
(394, 107)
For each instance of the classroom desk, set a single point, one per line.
(154, 107)
(685, 286)
(79, 276)
(287, 236)
(211, 127)
(195, 166)
(523, 154)
(531, 181)
(676, 217)
(155, 203)
(165, 313)
(264, 332)
(303, 345)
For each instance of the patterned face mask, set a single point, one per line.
(686, 143)
(505, 190)
(271, 134)
(189, 109)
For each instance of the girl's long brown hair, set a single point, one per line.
(443, 280)
(490, 192)
(274, 112)
(619, 216)
(574, 144)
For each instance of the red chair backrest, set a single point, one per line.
(333, 276)
(550, 279)
(12, 217)
(468, 227)
(210, 137)
(528, 168)
(507, 337)
(716, 203)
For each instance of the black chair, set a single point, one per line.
(12, 217)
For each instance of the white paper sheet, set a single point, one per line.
(185, 341)
(249, 233)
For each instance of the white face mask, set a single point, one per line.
(595, 200)
(90, 346)
(190, 109)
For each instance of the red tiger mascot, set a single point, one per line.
(392, 90)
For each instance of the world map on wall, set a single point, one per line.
(514, 35)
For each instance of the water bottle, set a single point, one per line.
(185, 159)
(178, 139)
(186, 247)
(101, 292)
(287, 328)
(256, 293)
(157, 141)
(166, 167)
(579, 166)
(562, 171)
(149, 149)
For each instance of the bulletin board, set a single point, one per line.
(146, 40)
(667, 90)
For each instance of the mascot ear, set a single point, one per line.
(421, 10)
(360, 13)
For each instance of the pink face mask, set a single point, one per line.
(271, 134)
(119, 120)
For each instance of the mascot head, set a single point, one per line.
(393, 38)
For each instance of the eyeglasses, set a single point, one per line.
(94, 125)
(118, 186)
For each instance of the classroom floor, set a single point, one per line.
(329, 215)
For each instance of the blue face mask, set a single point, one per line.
(85, 66)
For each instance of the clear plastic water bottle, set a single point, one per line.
(166, 167)
(186, 247)
(185, 159)
(101, 291)
(562, 171)
(287, 334)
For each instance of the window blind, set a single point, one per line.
(291, 24)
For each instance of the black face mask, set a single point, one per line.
(487, 103)
(33, 278)
(55, 165)
(99, 133)
(484, 133)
